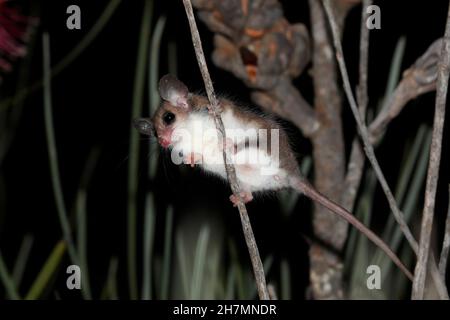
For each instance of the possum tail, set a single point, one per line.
(304, 187)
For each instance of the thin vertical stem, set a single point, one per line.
(149, 235)
(420, 271)
(363, 61)
(53, 154)
(167, 254)
(138, 95)
(446, 243)
(7, 280)
(22, 258)
(82, 241)
(258, 268)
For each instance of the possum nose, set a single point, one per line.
(164, 142)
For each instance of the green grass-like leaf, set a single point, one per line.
(138, 95)
(149, 237)
(153, 98)
(47, 271)
(82, 243)
(22, 258)
(199, 263)
(231, 283)
(183, 265)
(412, 199)
(165, 277)
(110, 288)
(53, 155)
(285, 275)
(7, 280)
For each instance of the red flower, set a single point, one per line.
(14, 34)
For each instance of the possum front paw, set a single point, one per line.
(245, 195)
(218, 110)
(229, 146)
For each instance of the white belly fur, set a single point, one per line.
(197, 134)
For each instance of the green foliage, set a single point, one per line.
(47, 272)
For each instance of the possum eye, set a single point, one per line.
(168, 118)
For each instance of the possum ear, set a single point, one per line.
(173, 91)
(144, 126)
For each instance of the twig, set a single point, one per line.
(420, 78)
(356, 162)
(258, 268)
(445, 243)
(272, 292)
(368, 148)
(354, 175)
(363, 61)
(433, 167)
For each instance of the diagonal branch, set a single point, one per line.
(231, 173)
(433, 167)
(420, 78)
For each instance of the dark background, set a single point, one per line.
(92, 109)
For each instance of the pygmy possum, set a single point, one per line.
(183, 125)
